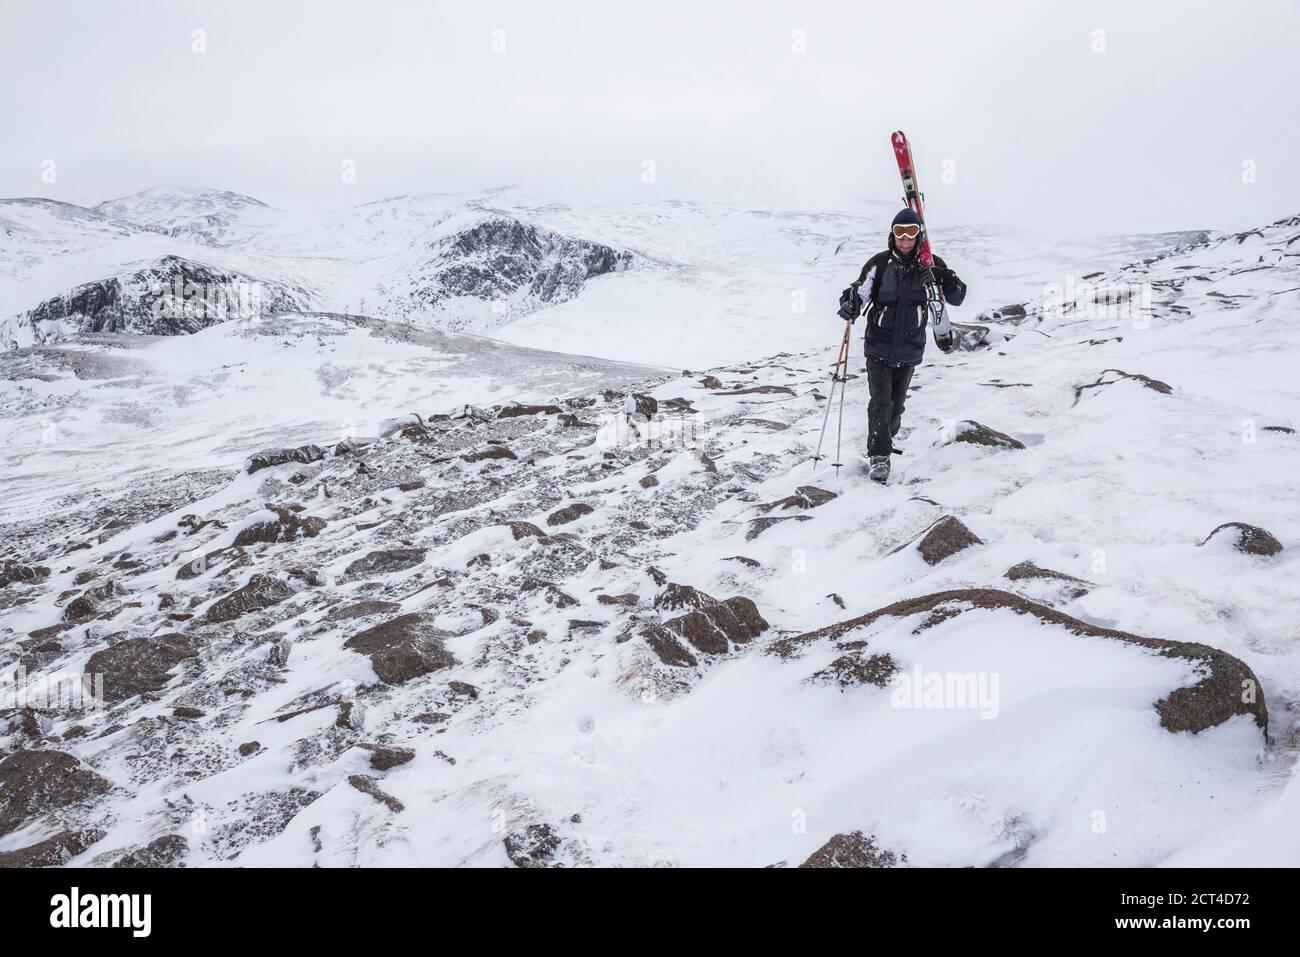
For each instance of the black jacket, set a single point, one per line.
(895, 308)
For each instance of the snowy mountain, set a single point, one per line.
(208, 216)
(534, 272)
(358, 591)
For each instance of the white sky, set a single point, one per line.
(1150, 134)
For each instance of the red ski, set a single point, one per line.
(913, 199)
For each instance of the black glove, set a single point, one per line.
(946, 343)
(942, 275)
(850, 303)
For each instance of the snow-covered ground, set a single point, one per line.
(555, 699)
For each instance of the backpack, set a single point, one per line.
(879, 261)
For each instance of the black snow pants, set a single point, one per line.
(888, 387)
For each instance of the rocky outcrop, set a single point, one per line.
(974, 433)
(1248, 539)
(384, 562)
(504, 260)
(805, 496)
(269, 458)
(262, 591)
(570, 513)
(534, 846)
(137, 665)
(166, 851)
(54, 851)
(37, 782)
(708, 625)
(403, 648)
(1228, 686)
(12, 571)
(852, 850)
(945, 538)
(170, 297)
(287, 526)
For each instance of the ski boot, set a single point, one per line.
(878, 468)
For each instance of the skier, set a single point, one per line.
(896, 322)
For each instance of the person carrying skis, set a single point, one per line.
(896, 322)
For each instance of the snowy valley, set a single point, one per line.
(385, 573)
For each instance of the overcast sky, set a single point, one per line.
(1033, 113)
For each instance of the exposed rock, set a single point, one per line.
(639, 404)
(186, 713)
(491, 452)
(524, 530)
(747, 562)
(851, 850)
(1075, 587)
(666, 645)
(367, 785)
(550, 591)
(511, 411)
(1155, 384)
(1250, 539)
(857, 669)
(137, 666)
(362, 609)
(977, 434)
(90, 602)
(710, 625)
(500, 258)
(269, 458)
(285, 527)
(534, 846)
(757, 526)
(570, 513)
(943, 539)
(249, 747)
(384, 562)
(383, 758)
(403, 648)
(262, 591)
(805, 496)
(711, 382)
(53, 851)
(11, 571)
(628, 600)
(166, 851)
(37, 782)
(1215, 698)
(648, 481)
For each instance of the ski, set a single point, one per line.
(913, 198)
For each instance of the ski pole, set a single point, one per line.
(841, 362)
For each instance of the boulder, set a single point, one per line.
(976, 434)
(287, 526)
(40, 781)
(137, 665)
(261, 591)
(1248, 539)
(403, 648)
(268, 458)
(384, 562)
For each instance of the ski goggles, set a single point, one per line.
(906, 231)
